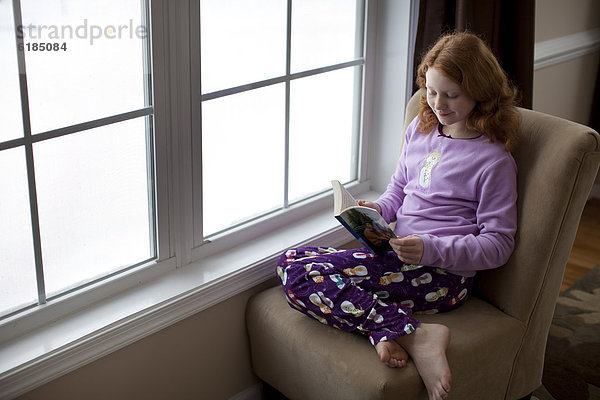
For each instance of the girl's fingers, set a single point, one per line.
(409, 249)
(370, 204)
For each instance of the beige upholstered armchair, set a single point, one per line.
(498, 336)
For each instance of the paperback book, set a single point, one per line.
(365, 223)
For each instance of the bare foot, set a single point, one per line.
(427, 346)
(391, 354)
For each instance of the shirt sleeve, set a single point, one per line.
(496, 220)
(391, 200)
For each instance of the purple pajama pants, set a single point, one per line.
(354, 290)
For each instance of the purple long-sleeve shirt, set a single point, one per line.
(459, 196)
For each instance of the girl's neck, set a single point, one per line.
(459, 131)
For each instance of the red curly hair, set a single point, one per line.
(467, 60)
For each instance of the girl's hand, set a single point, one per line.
(409, 249)
(370, 204)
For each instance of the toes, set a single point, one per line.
(391, 354)
(396, 363)
(383, 352)
(446, 388)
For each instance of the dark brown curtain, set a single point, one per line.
(506, 25)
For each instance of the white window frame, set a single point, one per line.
(289, 212)
(58, 337)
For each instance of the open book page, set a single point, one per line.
(342, 199)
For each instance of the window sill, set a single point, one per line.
(82, 337)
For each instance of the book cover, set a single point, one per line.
(365, 223)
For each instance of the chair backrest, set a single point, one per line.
(557, 163)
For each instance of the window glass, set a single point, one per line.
(243, 156)
(323, 33)
(321, 132)
(11, 124)
(17, 266)
(242, 41)
(95, 67)
(93, 201)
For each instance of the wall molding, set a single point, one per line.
(564, 48)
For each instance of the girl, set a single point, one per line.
(453, 198)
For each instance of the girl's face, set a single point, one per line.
(448, 101)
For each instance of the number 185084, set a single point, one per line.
(35, 46)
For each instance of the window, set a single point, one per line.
(127, 147)
(122, 118)
(281, 98)
(76, 146)
(280, 105)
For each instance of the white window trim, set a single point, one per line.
(129, 308)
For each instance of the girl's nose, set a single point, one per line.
(440, 104)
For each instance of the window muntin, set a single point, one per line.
(330, 56)
(81, 192)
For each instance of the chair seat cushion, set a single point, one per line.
(286, 344)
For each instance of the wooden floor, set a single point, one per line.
(586, 249)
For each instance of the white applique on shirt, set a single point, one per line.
(425, 175)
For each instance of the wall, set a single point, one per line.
(566, 89)
(388, 98)
(205, 356)
(556, 18)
